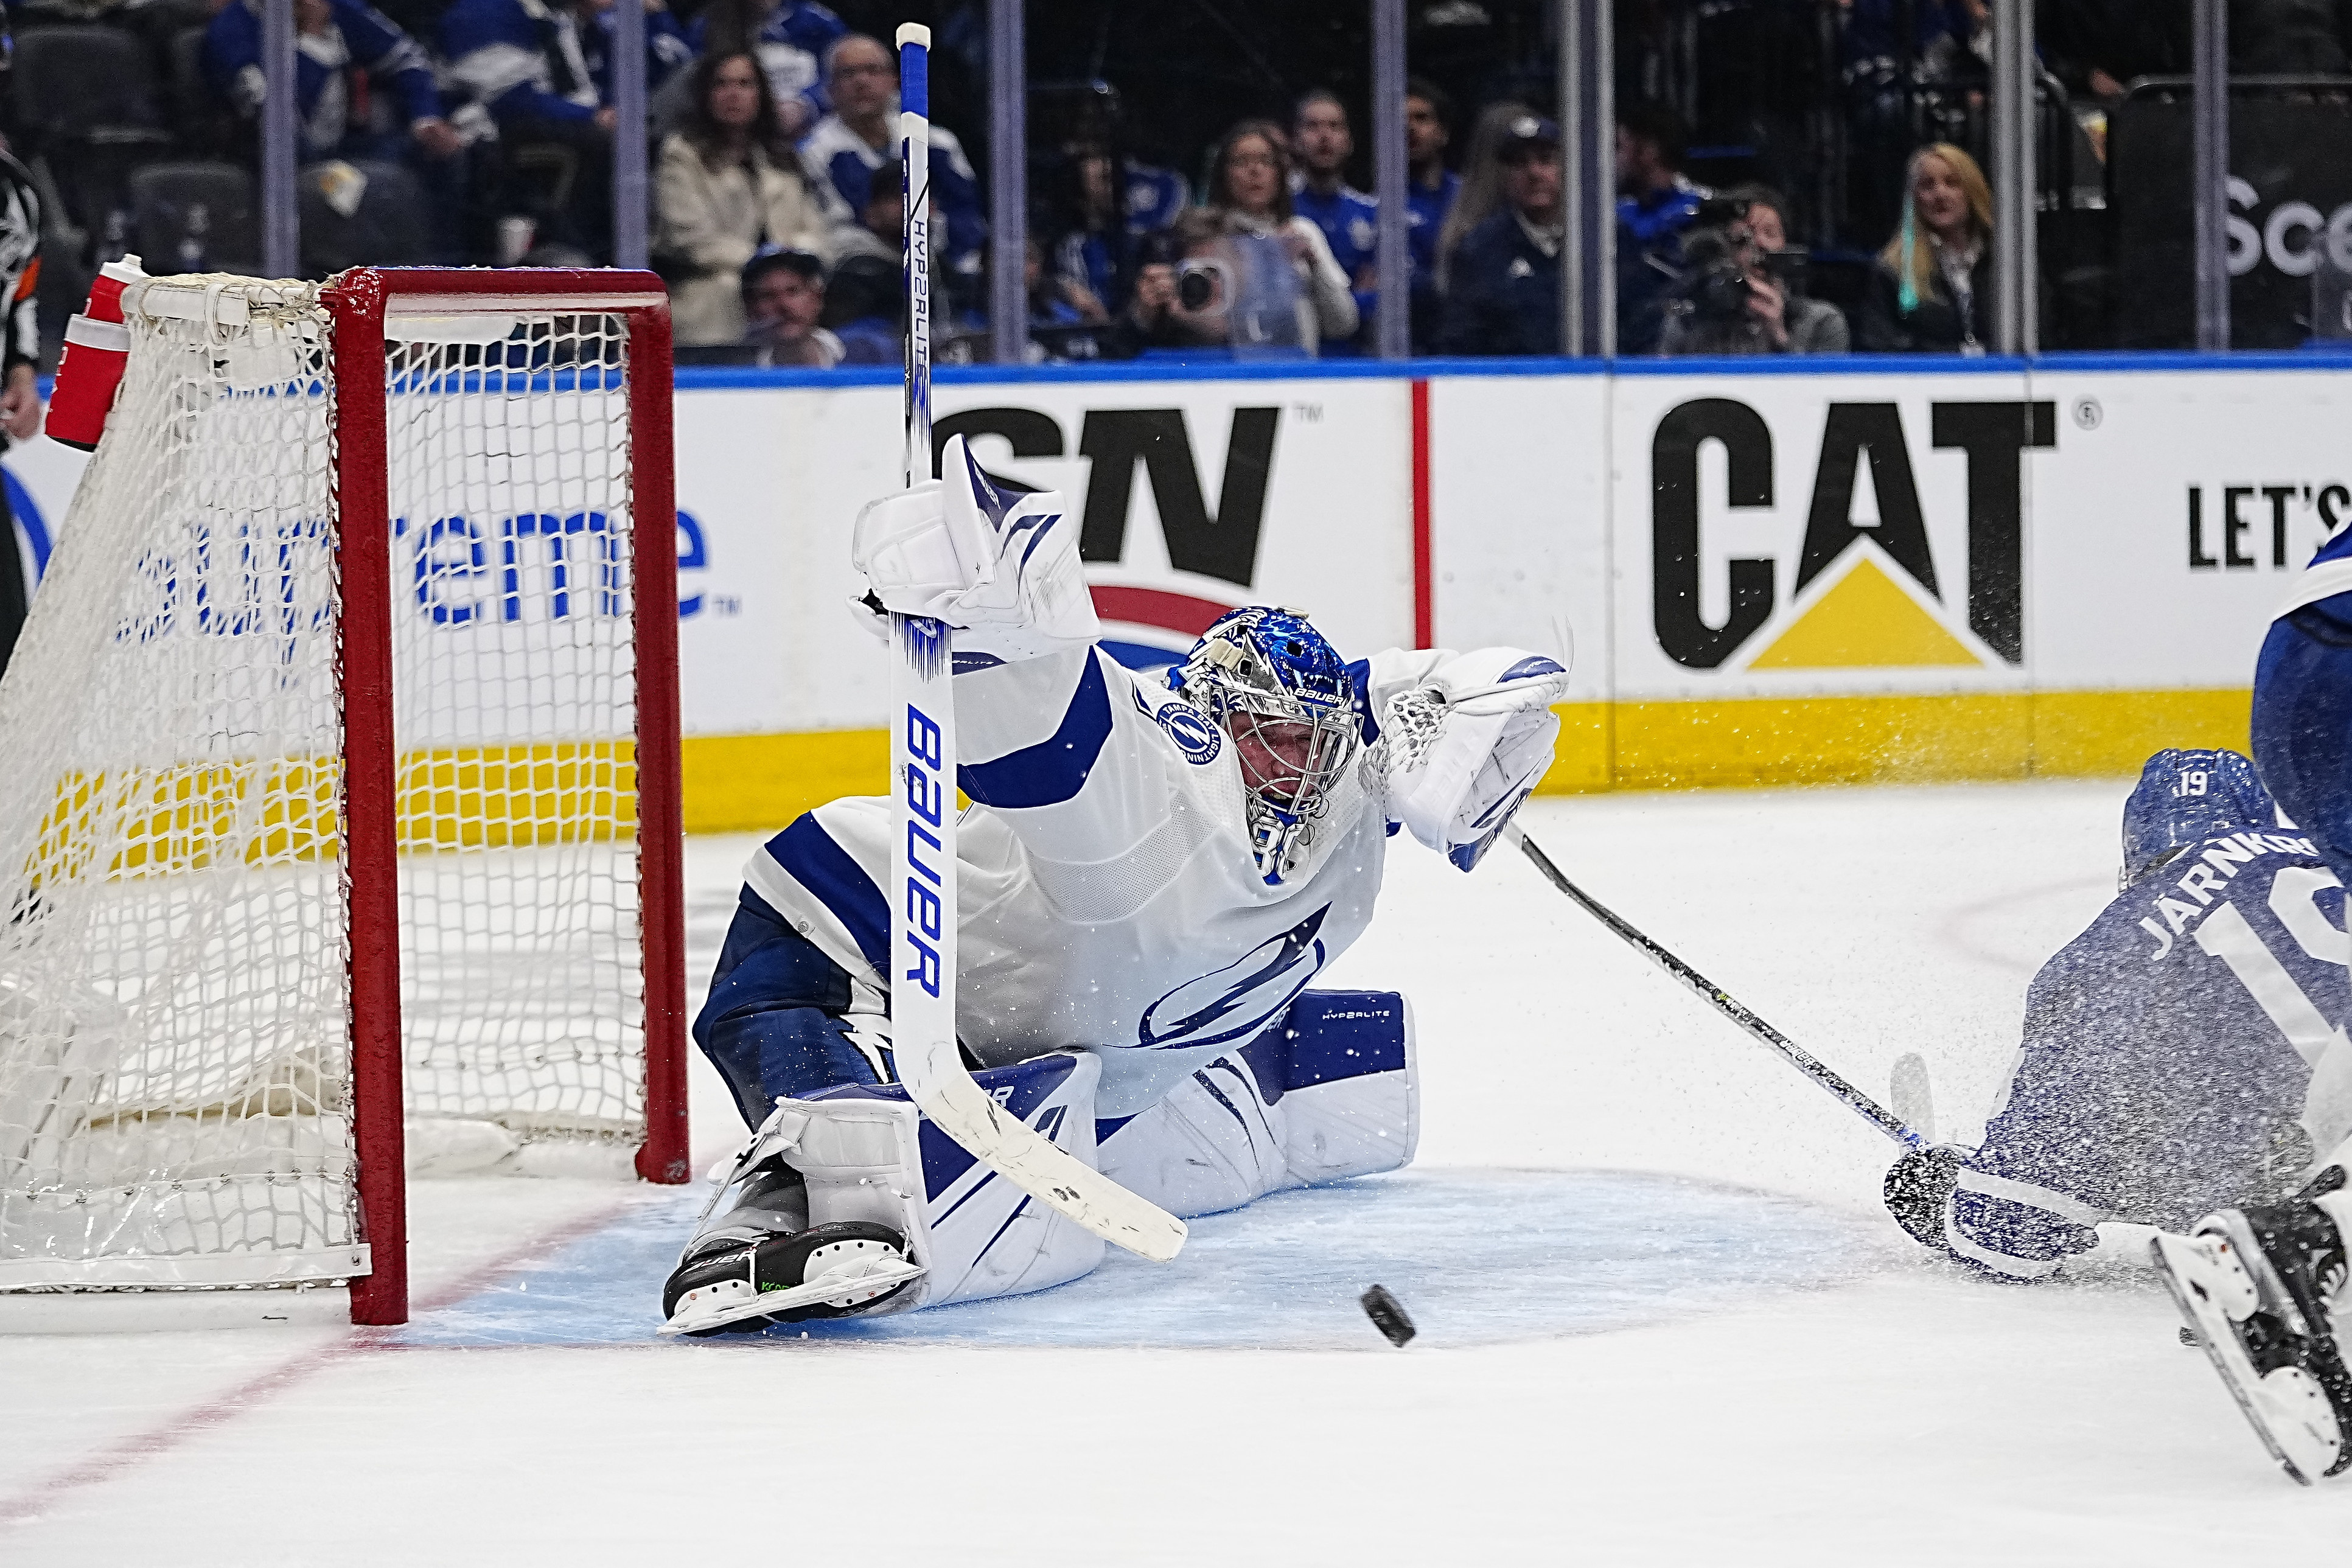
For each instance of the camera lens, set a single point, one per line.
(1195, 289)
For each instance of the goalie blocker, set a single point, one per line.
(855, 1204)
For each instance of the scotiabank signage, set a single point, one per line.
(2290, 209)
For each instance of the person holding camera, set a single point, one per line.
(1742, 290)
(1176, 302)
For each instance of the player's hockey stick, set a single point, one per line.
(923, 771)
(1723, 1002)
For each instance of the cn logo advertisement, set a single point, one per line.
(1864, 570)
(1217, 541)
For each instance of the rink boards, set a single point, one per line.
(1873, 568)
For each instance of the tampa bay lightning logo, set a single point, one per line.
(1236, 1002)
(1195, 734)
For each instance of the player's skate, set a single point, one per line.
(764, 1263)
(2255, 1286)
(824, 1271)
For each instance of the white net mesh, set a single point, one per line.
(512, 659)
(175, 1064)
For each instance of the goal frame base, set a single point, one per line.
(320, 1306)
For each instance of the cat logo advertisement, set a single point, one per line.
(1861, 566)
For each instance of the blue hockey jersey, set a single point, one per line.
(850, 165)
(524, 60)
(1350, 222)
(790, 47)
(2167, 1066)
(356, 36)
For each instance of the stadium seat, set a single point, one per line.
(196, 217)
(86, 84)
(202, 120)
(388, 224)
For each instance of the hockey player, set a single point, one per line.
(2168, 1050)
(2257, 1283)
(1152, 871)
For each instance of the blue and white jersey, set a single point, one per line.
(667, 50)
(356, 36)
(1105, 262)
(1155, 197)
(791, 47)
(1426, 207)
(518, 59)
(839, 154)
(1109, 898)
(1350, 222)
(2168, 1056)
(524, 60)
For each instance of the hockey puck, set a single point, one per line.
(1388, 1315)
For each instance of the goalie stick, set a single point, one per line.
(923, 847)
(1721, 1000)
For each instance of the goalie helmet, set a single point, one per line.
(1279, 689)
(2184, 798)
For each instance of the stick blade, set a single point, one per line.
(1032, 1162)
(1911, 1096)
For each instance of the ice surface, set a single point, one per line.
(1477, 1256)
(1664, 1318)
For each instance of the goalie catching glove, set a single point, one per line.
(1000, 567)
(1468, 741)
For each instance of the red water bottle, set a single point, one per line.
(98, 347)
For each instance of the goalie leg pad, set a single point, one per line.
(1354, 1084)
(866, 1153)
(1212, 1143)
(1332, 1091)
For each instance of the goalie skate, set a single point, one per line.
(2260, 1341)
(826, 1271)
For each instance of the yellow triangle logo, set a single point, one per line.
(1865, 620)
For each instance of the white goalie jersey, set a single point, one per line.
(1111, 897)
(1111, 901)
(1150, 873)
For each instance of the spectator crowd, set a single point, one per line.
(482, 131)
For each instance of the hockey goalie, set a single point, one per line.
(1153, 873)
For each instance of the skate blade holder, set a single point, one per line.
(849, 1284)
(2286, 1407)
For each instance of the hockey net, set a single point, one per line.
(225, 847)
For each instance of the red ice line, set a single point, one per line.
(120, 1455)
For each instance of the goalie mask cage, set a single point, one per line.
(343, 750)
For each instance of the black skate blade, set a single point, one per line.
(1388, 1315)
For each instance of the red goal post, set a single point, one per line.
(364, 302)
(343, 834)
